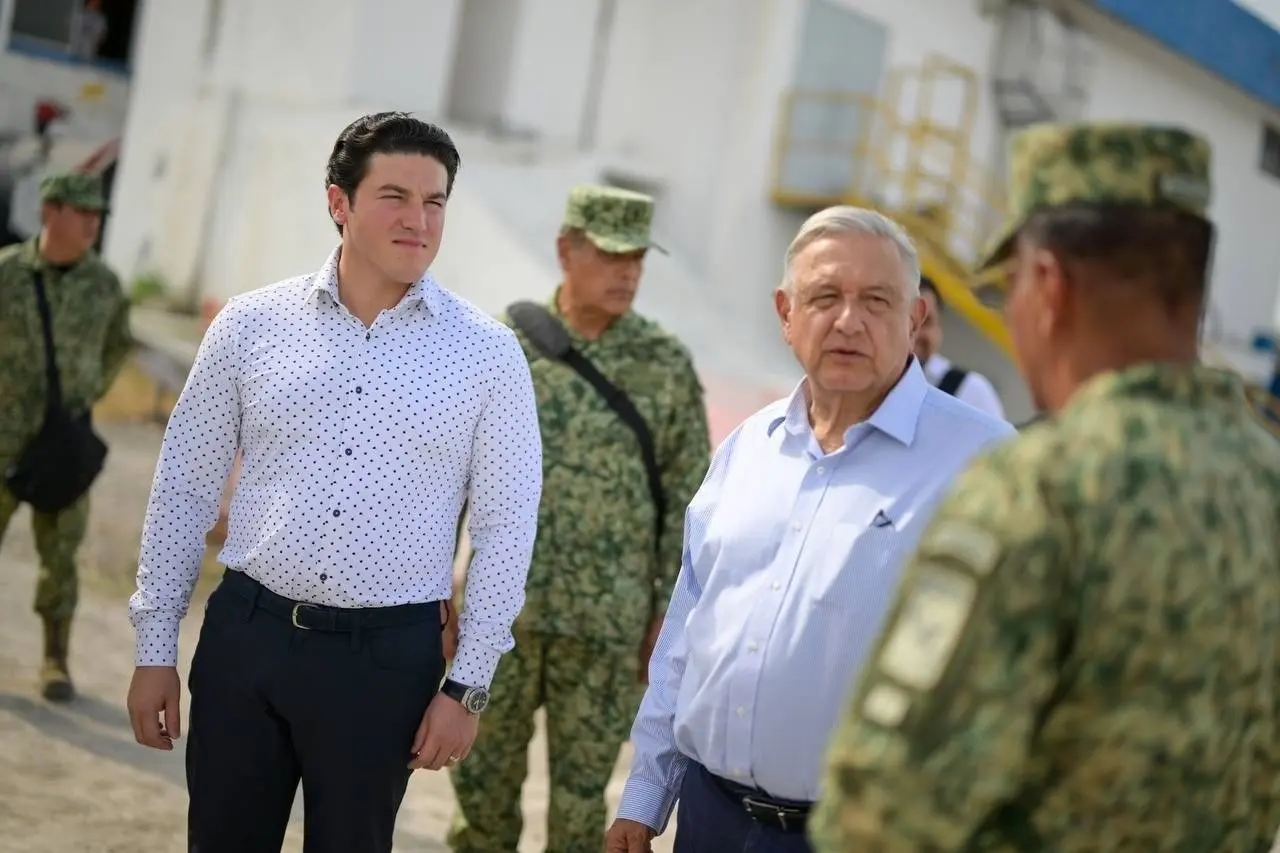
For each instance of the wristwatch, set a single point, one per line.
(474, 699)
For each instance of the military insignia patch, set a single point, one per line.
(924, 638)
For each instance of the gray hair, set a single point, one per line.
(843, 219)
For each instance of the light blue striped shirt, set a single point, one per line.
(791, 559)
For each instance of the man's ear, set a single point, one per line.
(564, 248)
(339, 204)
(919, 313)
(1052, 289)
(782, 305)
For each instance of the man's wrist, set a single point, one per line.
(473, 699)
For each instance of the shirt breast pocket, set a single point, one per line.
(860, 565)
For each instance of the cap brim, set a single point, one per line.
(622, 246)
(92, 208)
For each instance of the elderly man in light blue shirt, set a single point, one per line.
(793, 547)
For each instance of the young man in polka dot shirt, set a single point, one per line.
(368, 404)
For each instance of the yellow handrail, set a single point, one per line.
(915, 168)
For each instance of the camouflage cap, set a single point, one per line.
(1057, 164)
(614, 220)
(78, 189)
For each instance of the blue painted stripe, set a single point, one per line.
(1220, 36)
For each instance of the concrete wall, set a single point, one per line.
(221, 181)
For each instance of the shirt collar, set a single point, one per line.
(425, 291)
(897, 415)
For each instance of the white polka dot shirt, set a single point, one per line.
(359, 448)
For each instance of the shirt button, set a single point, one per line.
(337, 512)
(741, 711)
(737, 771)
(777, 585)
(323, 576)
(752, 646)
(368, 335)
(359, 389)
(795, 525)
(821, 470)
(347, 451)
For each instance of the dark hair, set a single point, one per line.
(1163, 249)
(927, 285)
(386, 133)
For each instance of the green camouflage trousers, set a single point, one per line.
(58, 537)
(591, 692)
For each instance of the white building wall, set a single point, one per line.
(221, 183)
(169, 66)
(688, 104)
(551, 68)
(483, 58)
(403, 54)
(1138, 81)
(693, 92)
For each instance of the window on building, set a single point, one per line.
(1271, 151)
(93, 31)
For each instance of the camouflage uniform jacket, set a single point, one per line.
(90, 332)
(594, 571)
(1084, 653)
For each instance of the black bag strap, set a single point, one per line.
(53, 402)
(545, 332)
(951, 380)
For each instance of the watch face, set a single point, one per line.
(476, 700)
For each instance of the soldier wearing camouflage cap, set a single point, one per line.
(91, 336)
(1082, 651)
(603, 565)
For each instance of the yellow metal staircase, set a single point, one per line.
(899, 153)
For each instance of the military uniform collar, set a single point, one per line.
(1192, 384)
(622, 324)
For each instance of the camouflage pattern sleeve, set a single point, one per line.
(938, 732)
(118, 342)
(684, 454)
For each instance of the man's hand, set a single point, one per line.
(449, 633)
(447, 732)
(154, 693)
(628, 836)
(646, 648)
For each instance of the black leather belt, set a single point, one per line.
(318, 617)
(785, 815)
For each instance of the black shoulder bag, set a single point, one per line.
(551, 339)
(950, 383)
(66, 456)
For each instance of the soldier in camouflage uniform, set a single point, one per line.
(91, 335)
(597, 589)
(1083, 652)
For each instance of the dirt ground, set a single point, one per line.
(71, 778)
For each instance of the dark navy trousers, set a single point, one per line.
(710, 821)
(274, 705)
